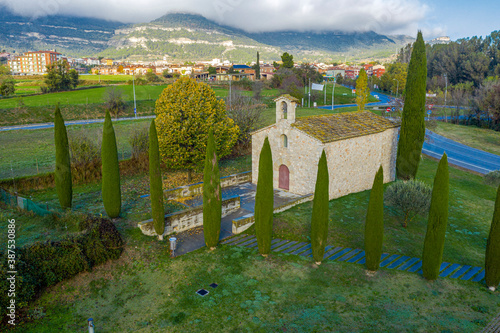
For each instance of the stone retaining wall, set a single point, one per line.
(241, 224)
(197, 189)
(187, 219)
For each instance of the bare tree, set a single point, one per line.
(246, 113)
(113, 100)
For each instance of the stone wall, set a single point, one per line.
(187, 219)
(242, 223)
(197, 189)
(352, 163)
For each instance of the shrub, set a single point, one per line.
(244, 84)
(410, 197)
(139, 141)
(492, 178)
(83, 150)
(42, 264)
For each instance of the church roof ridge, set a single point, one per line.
(340, 126)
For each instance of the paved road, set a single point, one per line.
(383, 100)
(460, 155)
(68, 123)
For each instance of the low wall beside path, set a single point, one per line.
(197, 189)
(187, 219)
(244, 222)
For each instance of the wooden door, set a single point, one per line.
(284, 177)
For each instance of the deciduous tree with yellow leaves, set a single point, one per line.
(185, 111)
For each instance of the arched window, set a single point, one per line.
(284, 141)
(283, 110)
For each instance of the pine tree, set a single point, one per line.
(320, 212)
(374, 226)
(264, 200)
(362, 90)
(412, 134)
(437, 221)
(63, 163)
(155, 182)
(111, 192)
(492, 262)
(212, 207)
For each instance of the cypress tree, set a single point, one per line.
(492, 262)
(212, 207)
(111, 192)
(155, 183)
(437, 221)
(412, 134)
(320, 212)
(63, 163)
(264, 200)
(374, 226)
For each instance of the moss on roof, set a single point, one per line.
(290, 97)
(340, 126)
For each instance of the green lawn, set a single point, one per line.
(470, 212)
(24, 149)
(117, 78)
(146, 291)
(480, 138)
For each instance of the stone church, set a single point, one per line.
(355, 143)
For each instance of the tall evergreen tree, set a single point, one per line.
(374, 225)
(63, 163)
(412, 134)
(212, 206)
(362, 90)
(264, 200)
(111, 192)
(437, 221)
(155, 182)
(492, 262)
(320, 211)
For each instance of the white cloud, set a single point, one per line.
(389, 16)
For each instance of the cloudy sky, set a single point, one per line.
(454, 18)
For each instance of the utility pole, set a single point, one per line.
(133, 87)
(445, 96)
(309, 102)
(397, 87)
(333, 93)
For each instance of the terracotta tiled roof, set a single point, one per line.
(340, 126)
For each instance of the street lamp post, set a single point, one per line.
(397, 87)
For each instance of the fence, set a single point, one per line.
(23, 203)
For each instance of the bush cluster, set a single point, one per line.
(139, 142)
(410, 197)
(42, 264)
(492, 178)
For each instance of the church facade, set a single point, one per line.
(355, 143)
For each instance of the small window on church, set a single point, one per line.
(284, 141)
(284, 110)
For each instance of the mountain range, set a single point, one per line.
(183, 37)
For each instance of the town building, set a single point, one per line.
(33, 62)
(356, 145)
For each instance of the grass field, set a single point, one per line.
(24, 149)
(480, 138)
(115, 78)
(146, 291)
